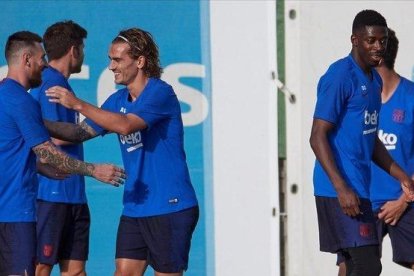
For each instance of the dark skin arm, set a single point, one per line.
(319, 142)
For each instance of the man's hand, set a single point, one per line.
(349, 201)
(108, 173)
(58, 94)
(391, 211)
(407, 186)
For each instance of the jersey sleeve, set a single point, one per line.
(156, 106)
(333, 92)
(27, 115)
(53, 111)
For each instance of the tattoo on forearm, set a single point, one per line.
(84, 131)
(70, 132)
(48, 153)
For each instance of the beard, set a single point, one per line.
(36, 81)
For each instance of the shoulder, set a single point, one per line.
(160, 86)
(339, 71)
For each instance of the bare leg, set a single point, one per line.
(43, 269)
(72, 268)
(129, 267)
(342, 269)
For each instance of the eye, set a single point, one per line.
(370, 41)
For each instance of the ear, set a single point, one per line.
(26, 58)
(74, 51)
(354, 40)
(141, 62)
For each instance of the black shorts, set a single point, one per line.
(163, 241)
(17, 248)
(339, 231)
(62, 232)
(401, 236)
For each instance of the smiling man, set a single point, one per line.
(344, 140)
(160, 205)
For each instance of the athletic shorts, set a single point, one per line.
(163, 241)
(401, 236)
(339, 231)
(62, 232)
(17, 248)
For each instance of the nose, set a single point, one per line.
(111, 65)
(379, 45)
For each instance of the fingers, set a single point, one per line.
(110, 174)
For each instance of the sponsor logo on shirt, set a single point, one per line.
(388, 139)
(133, 140)
(398, 115)
(371, 121)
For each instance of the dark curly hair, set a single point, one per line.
(368, 18)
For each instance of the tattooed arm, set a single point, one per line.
(70, 132)
(49, 154)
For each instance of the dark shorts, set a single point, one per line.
(163, 241)
(338, 231)
(62, 232)
(17, 248)
(401, 236)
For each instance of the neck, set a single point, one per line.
(62, 65)
(136, 87)
(390, 81)
(366, 68)
(17, 75)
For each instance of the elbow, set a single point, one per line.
(125, 130)
(314, 142)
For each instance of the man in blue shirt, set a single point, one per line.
(160, 206)
(23, 137)
(344, 141)
(63, 218)
(396, 132)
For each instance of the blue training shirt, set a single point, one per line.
(158, 181)
(72, 189)
(396, 131)
(21, 129)
(351, 101)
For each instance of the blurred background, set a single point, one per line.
(246, 140)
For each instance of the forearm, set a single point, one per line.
(323, 152)
(47, 153)
(70, 132)
(113, 122)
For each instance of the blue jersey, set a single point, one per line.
(71, 189)
(158, 180)
(21, 129)
(396, 131)
(351, 101)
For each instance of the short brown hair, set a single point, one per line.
(18, 41)
(61, 36)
